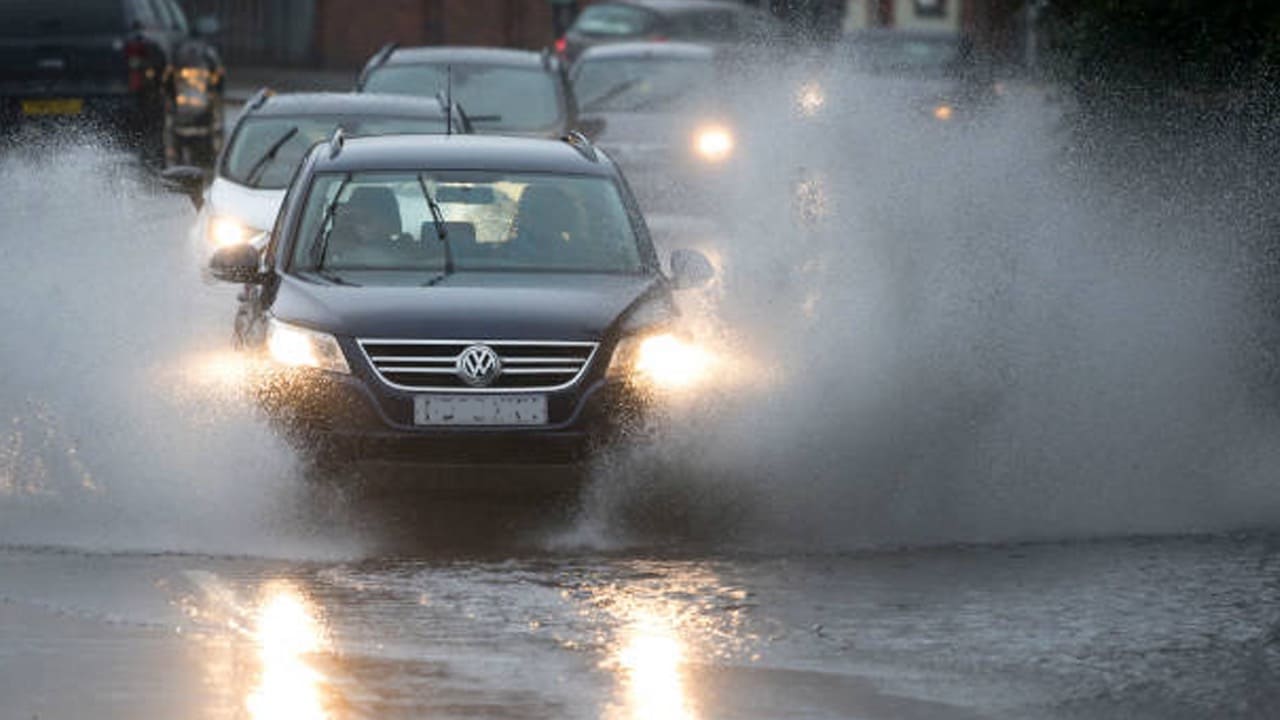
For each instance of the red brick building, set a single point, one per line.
(347, 33)
(342, 34)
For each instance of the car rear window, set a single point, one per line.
(496, 98)
(614, 21)
(245, 161)
(638, 84)
(46, 18)
(711, 25)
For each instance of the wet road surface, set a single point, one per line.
(1136, 629)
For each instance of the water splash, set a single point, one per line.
(122, 424)
(974, 338)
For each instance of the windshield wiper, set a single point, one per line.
(320, 245)
(251, 179)
(333, 277)
(442, 231)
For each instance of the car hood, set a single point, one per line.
(464, 306)
(251, 206)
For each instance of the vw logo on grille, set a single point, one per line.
(479, 366)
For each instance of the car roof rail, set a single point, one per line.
(582, 144)
(258, 98)
(336, 141)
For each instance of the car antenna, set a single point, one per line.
(448, 98)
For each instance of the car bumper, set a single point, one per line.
(118, 112)
(348, 418)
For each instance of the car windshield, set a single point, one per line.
(634, 84)
(908, 55)
(381, 224)
(247, 163)
(495, 97)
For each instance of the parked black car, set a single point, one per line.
(508, 92)
(710, 22)
(474, 299)
(133, 68)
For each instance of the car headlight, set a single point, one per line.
(662, 361)
(810, 99)
(225, 231)
(299, 347)
(713, 143)
(943, 112)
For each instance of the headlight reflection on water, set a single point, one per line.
(650, 660)
(286, 633)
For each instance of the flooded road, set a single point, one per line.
(900, 507)
(1124, 629)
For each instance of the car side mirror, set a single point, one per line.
(207, 26)
(186, 179)
(237, 264)
(690, 269)
(591, 126)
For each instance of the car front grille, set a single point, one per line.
(433, 364)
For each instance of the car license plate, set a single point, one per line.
(60, 106)
(479, 410)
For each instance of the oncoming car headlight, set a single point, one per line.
(299, 347)
(661, 361)
(810, 99)
(225, 231)
(713, 143)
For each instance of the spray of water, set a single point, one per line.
(968, 337)
(121, 422)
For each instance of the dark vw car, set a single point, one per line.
(135, 68)
(465, 299)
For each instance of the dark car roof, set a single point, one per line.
(378, 104)
(675, 50)
(672, 7)
(461, 152)
(464, 55)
